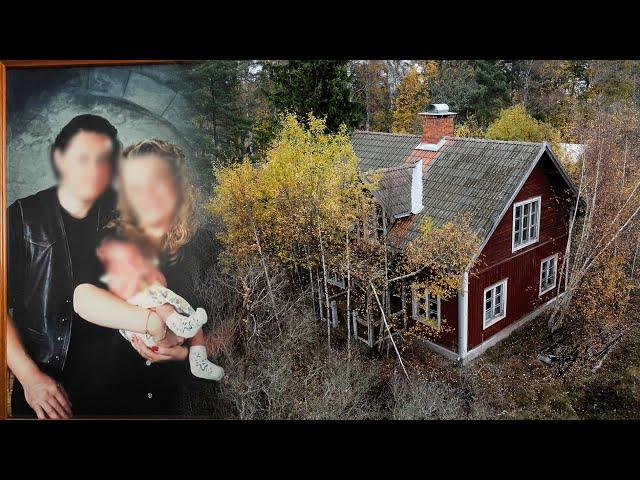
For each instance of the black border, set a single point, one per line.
(323, 30)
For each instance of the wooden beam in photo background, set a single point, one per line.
(4, 374)
(83, 63)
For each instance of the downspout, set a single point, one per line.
(463, 316)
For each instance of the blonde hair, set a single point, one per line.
(184, 223)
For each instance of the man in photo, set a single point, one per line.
(61, 363)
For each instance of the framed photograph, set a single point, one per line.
(48, 109)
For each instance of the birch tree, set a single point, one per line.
(597, 272)
(294, 209)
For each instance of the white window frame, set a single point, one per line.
(421, 318)
(555, 274)
(334, 279)
(494, 320)
(355, 318)
(521, 204)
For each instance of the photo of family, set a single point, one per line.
(90, 264)
(322, 239)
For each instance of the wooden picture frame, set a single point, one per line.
(6, 65)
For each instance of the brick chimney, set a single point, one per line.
(437, 122)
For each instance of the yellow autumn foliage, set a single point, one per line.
(441, 254)
(307, 191)
(514, 123)
(412, 97)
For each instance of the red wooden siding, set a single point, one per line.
(522, 268)
(449, 314)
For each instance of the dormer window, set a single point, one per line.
(526, 223)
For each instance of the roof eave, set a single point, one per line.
(561, 169)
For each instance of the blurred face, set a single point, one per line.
(127, 268)
(117, 256)
(150, 189)
(85, 165)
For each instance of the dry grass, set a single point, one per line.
(280, 367)
(521, 387)
(297, 378)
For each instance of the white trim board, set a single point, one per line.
(444, 351)
(463, 314)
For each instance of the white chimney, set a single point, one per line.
(416, 187)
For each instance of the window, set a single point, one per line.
(426, 308)
(526, 223)
(548, 274)
(495, 303)
(362, 329)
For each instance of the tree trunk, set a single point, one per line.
(348, 301)
(214, 118)
(384, 319)
(324, 281)
(320, 309)
(266, 271)
(313, 298)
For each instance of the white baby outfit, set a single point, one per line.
(184, 322)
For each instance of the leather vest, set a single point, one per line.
(43, 310)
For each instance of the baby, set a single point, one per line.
(118, 255)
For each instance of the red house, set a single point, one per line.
(519, 199)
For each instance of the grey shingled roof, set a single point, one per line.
(377, 150)
(477, 177)
(467, 175)
(393, 191)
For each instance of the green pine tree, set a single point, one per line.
(221, 118)
(321, 87)
(478, 87)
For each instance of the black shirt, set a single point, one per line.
(89, 373)
(158, 389)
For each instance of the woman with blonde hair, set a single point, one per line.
(156, 204)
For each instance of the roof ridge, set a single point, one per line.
(488, 140)
(403, 166)
(387, 133)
